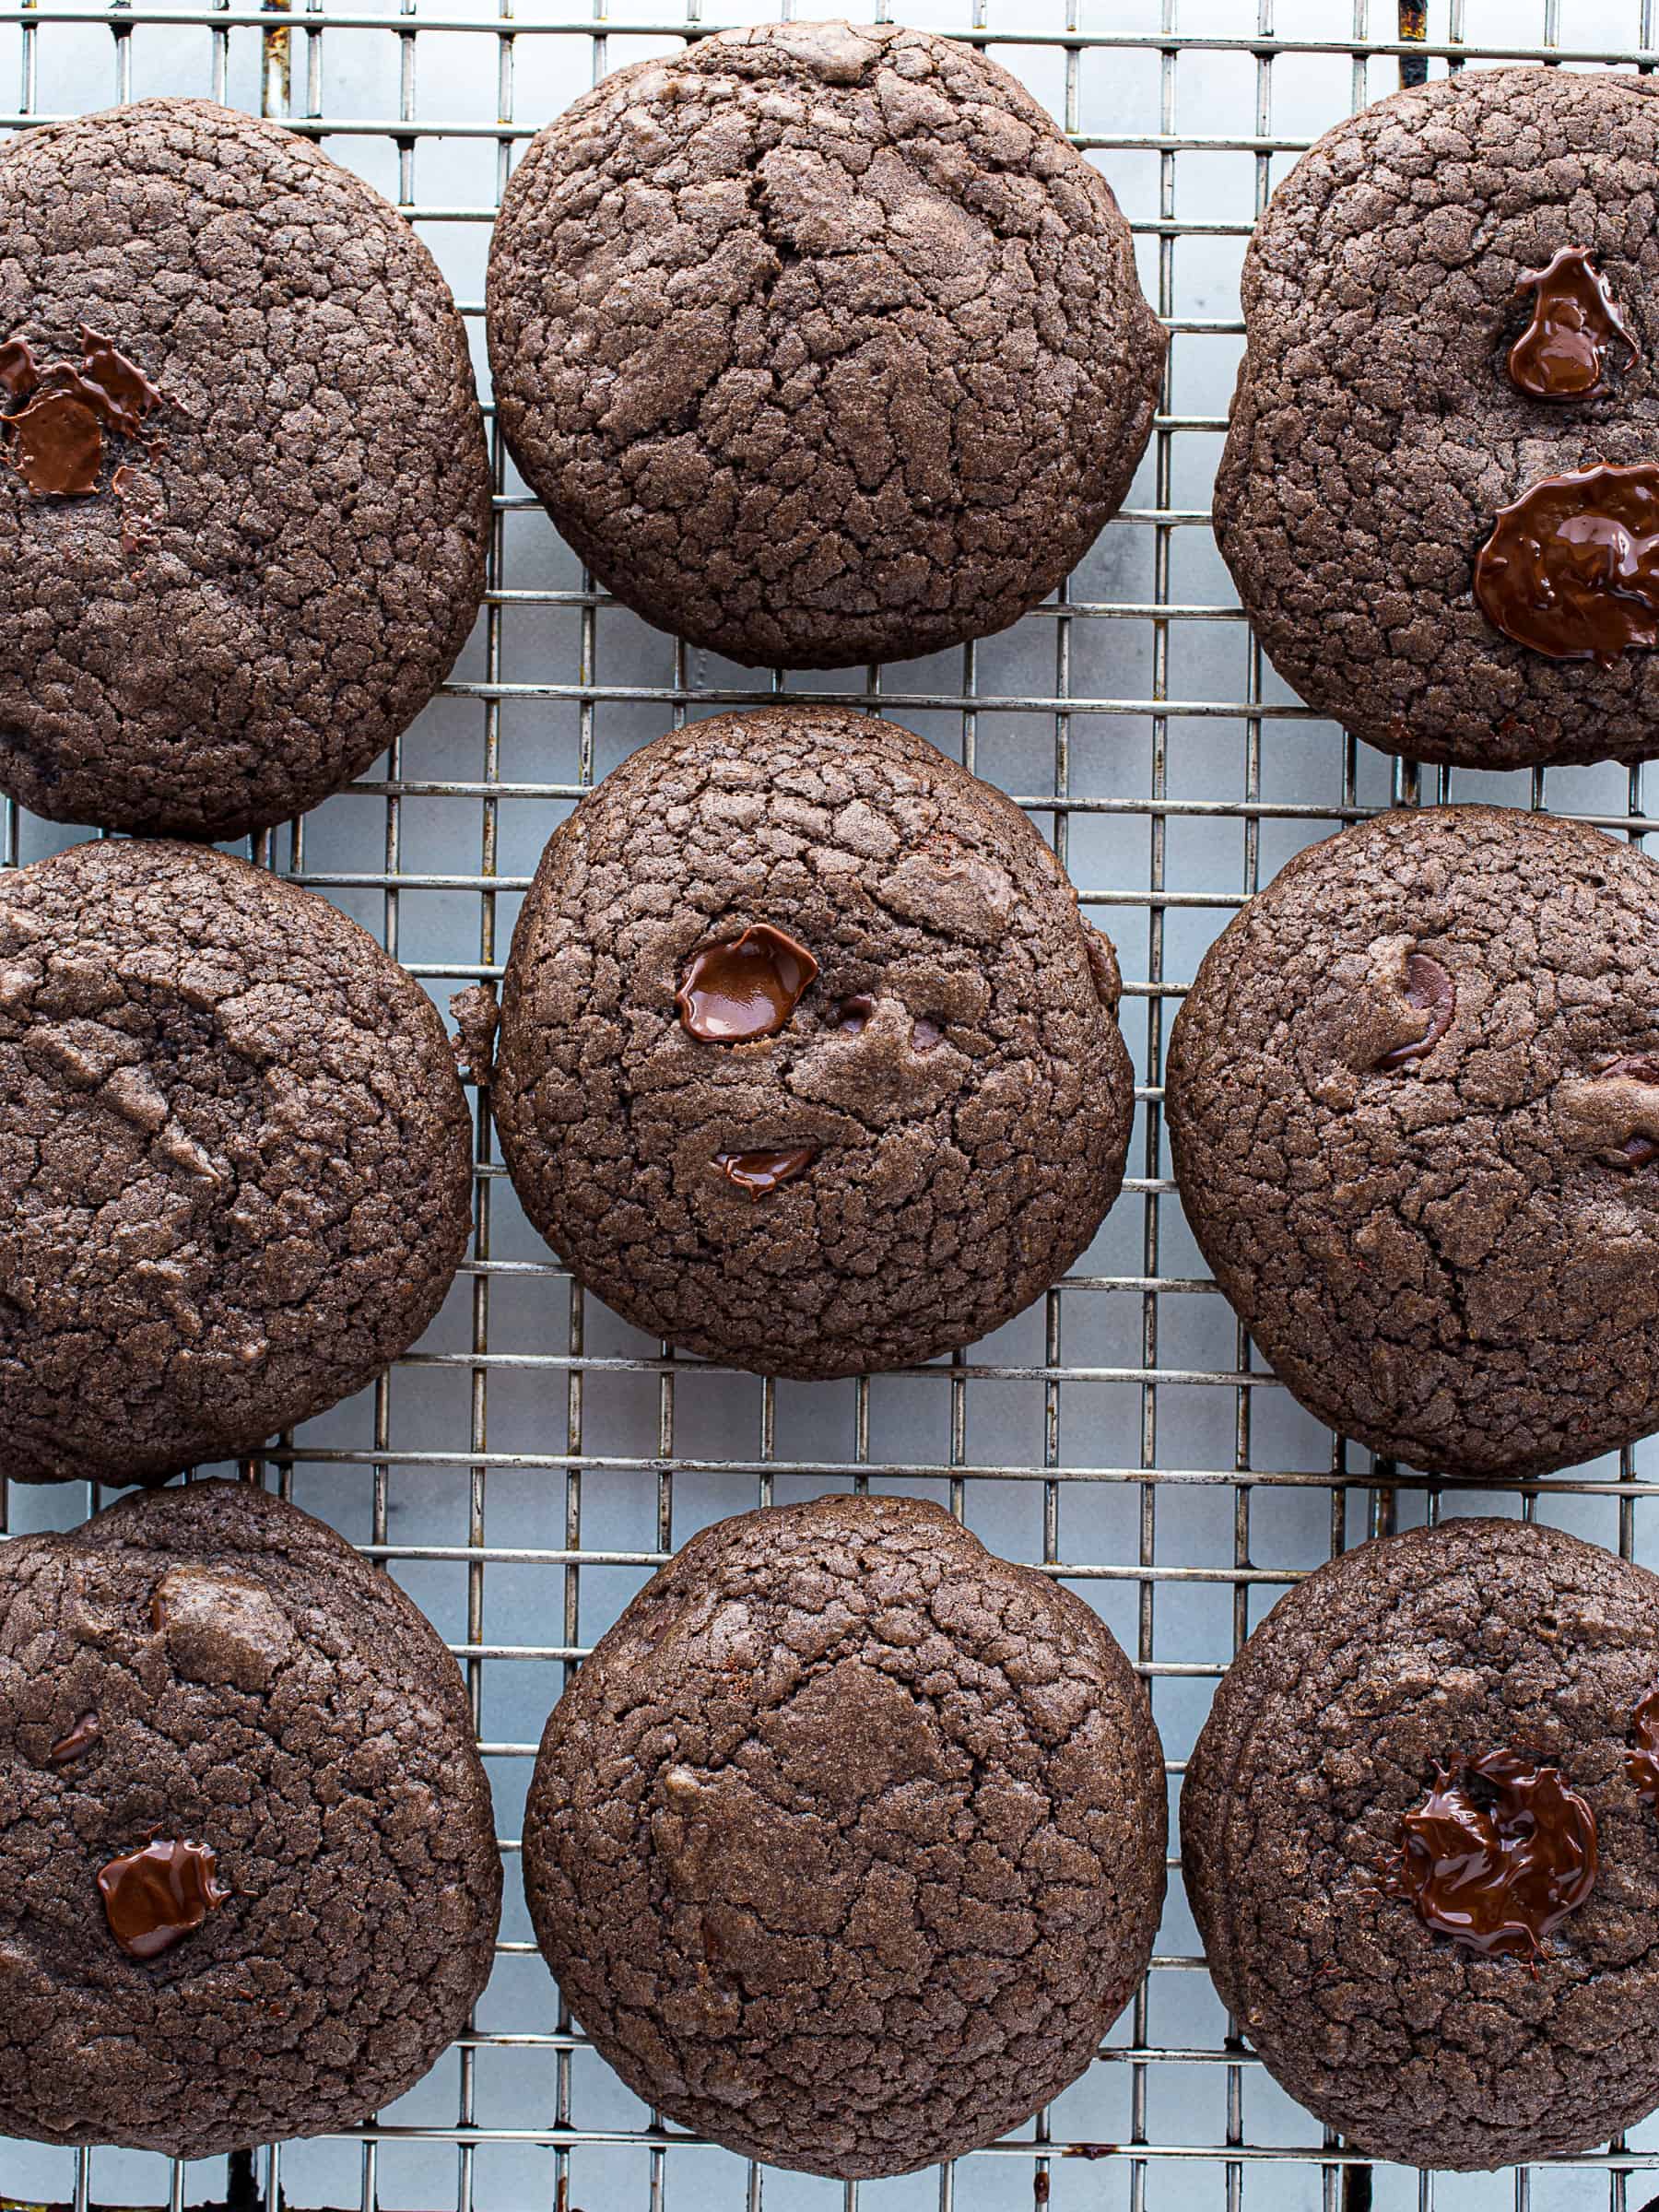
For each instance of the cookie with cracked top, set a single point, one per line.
(807, 1060)
(235, 1160)
(1413, 1103)
(244, 490)
(1420, 1840)
(249, 1882)
(1438, 496)
(822, 345)
(847, 1843)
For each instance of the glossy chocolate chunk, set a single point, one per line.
(1642, 1760)
(1636, 1150)
(18, 375)
(1427, 985)
(154, 1898)
(58, 446)
(1572, 568)
(1497, 1855)
(87, 1731)
(125, 395)
(1563, 351)
(746, 988)
(759, 1173)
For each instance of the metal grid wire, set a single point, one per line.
(532, 1462)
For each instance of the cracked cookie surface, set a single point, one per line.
(953, 1061)
(1413, 1652)
(1412, 1101)
(270, 577)
(847, 1843)
(212, 1663)
(1376, 431)
(235, 1160)
(822, 345)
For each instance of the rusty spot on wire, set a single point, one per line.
(1413, 24)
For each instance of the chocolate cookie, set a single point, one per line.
(244, 491)
(235, 1160)
(249, 1883)
(822, 345)
(847, 1843)
(1438, 498)
(806, 1059)
(1420, 1839)
(1412, 1101)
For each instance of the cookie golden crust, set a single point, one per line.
(1413, 1103)
(1406, 378)
(822, 343)
(806, 1059)
(847, 1843)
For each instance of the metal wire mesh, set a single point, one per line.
(525, 1469)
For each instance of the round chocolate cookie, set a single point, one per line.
(847, 1843)
(1413, 1100)
(249, 1883)
(1439, 498)
(807, 1060)
(822, 345)
(235, 1160)
(1419, 1836)
(244, 491)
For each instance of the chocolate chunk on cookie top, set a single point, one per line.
(807, 1060)
(244, 490)
(847, 1845)
(822, 345)
(1438, 496)
(1419, 1843)
(1412, 1101)
(235, 1160)
(258, 1896)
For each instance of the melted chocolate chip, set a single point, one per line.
(853, 1013)
(18, 375)
(1571, 569)
(746, 988)
(59, 446)
(1497, 1855)
(1634, 1151)
(125, 393)
(1642, 1760)
(1562, 353)
(759, 1173)
(1429, 986)
(80, 1739)
(155, 1897)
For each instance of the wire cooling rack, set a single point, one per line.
(525, 1469)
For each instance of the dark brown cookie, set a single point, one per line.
(1452, 300)
(807, 1060)
(244, 492)
(235, 1160)
(1413, 1100)
(249, 1883)
(822, 345)
(1461, 1699)
(847, 1845)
